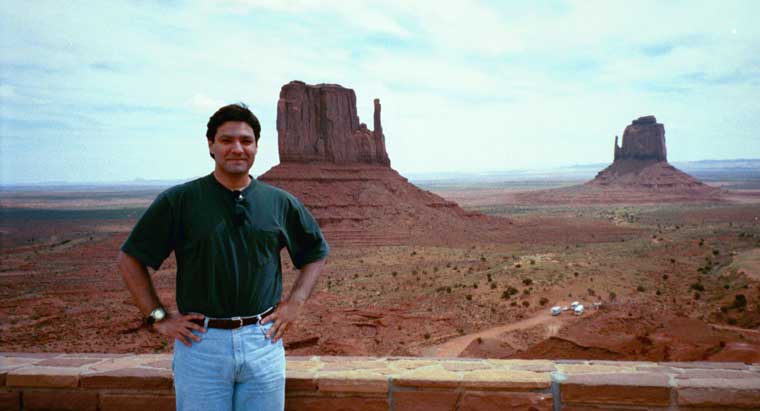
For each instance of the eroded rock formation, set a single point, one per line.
(341, 171)
(320, 124)
(643, 139)
(641, 163)
(640, 173)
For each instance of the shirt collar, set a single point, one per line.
(245, 191)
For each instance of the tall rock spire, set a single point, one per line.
(380, 152)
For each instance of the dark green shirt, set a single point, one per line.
(227, 245)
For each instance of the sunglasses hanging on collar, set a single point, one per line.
(238, 217)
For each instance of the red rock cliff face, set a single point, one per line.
(643, 139)
(320, 124)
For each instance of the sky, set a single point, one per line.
(121, 91)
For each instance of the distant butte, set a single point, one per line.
(643, 139)
(341, 171)
(640, 173)
(642, 162)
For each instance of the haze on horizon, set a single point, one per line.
(120, 91)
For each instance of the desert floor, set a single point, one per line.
(660, 281)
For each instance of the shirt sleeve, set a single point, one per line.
(152, 239)
(303, 238)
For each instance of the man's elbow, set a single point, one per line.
(121, 260)
(127, 264)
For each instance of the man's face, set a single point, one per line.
(234, 147)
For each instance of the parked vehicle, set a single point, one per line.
(578, 310)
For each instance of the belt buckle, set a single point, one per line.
(237, 319)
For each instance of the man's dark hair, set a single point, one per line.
(232, 112)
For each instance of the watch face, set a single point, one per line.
(158, 314)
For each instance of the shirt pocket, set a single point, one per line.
(265, 245)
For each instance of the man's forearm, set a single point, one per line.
(139, 283)
(305, 281)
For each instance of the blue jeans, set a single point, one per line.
(230, 370)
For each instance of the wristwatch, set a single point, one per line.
(155, 316)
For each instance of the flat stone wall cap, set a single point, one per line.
(98, 355)
(303, 365)
(30, 354)
(9, 363)
(721, 383)
(659, 369)
(506, 380)
(133, 378)
(466, 365)
(519, 364)
(165, 364)
(402, 364)
(333, 358)
(375, 366)
(132, 361)
(536, 368)
(352, 382)
(571, 369)
(708, 365)
(571, 361)
(67, 362)
(48, 377)
(623, 363)
(709, 374)
(432, 376)
(624, 379)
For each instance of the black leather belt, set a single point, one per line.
(234, 322)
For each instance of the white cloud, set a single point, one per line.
(204, 103)
(360, 14)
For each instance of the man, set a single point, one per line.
(226, 231)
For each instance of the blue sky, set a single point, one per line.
(117, 91)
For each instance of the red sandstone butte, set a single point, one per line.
(320, 123)
(341, 171)
(643, 139)
(642, 163)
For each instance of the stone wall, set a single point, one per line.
(32, 381)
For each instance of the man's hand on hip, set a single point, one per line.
(285, 313)
(178, 326)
